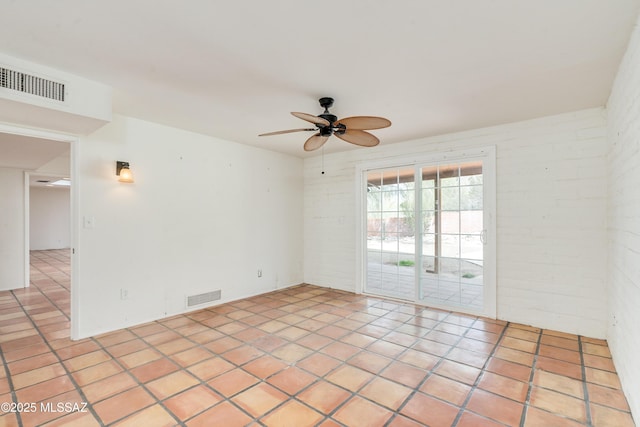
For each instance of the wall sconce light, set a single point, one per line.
(123, 171)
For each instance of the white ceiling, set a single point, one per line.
(25, 152)
(234, 69)
(32, 154)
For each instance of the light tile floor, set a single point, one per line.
(304, 356)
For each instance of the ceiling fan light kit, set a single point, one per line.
(349, 129)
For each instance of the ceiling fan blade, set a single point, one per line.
(312, 119)
(364, 122)
(358, 137)
(280, 132)
(315, 142)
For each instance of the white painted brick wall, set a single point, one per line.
(623, 130)
(551, 214)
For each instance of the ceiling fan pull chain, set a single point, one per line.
(323, 160)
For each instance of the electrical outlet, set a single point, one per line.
(124, 294)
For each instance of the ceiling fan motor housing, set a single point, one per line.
(326, 102)
(325, 130)
(329, 117)
(350, 129)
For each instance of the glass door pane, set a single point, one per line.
(452, 216)
(391, 233)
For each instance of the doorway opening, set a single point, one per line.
(40, 171)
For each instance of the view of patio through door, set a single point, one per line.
(391, 233)
(452, 235)
(426, 234)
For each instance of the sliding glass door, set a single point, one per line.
(430, 233)
(391, 248)
(452, 235)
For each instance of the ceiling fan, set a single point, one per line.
(350, 129)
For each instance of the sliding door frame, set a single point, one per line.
(488, 156)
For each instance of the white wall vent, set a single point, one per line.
(199, 299)
(27, 83)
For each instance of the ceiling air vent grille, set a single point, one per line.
(26, 83)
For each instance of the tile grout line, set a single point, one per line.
(585, 389)
(394, 359)
(289, 364)
(202, 382)
(327, 416)
(474, 387)
(264, 380)
(160, 401)
(14, 396)
(431, 371)
(294, 396)
(238, 366)
(415, 389)
(352, 393)
(343, 363)
(142, 385)
(527, 400)
(78, 389)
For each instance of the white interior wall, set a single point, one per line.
(12, 244)
(551, 213)
(49, 218)
(624, 222)
(203, 214)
